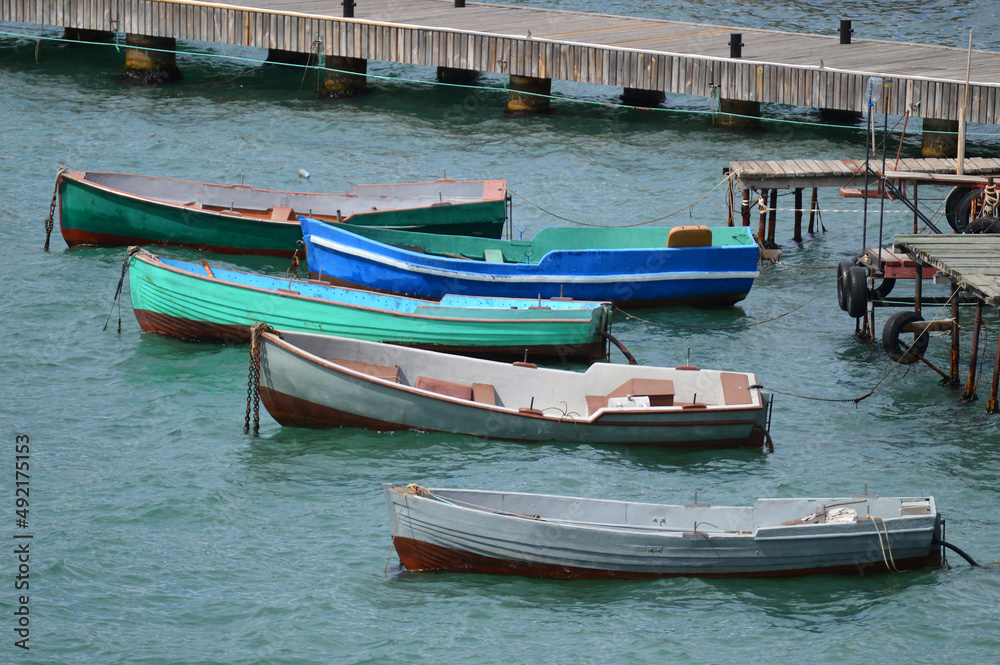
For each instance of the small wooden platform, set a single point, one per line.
(972, 262)
(802, 173)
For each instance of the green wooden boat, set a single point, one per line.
(203, 303)
(120, 209)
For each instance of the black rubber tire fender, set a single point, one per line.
(842, 269)
(890, 338)
(882, 290)
(984, 225)
(856, 289)
(958, 206)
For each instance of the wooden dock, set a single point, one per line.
(801, 173)
(970, 264)
(848, 175)
(639, 54)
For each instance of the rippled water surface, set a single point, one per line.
(163, 534)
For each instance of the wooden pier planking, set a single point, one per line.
(799, 69)
(972, 262)
(793, 173)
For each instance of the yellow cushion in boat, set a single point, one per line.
(689, 236)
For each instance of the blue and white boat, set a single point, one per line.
(687, 265)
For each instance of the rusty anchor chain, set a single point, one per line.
(253, 380)
(51, 221)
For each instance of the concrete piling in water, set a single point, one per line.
(940, 138)
(526, 94)
(151, 60)
(738, 114)
(280, 57)
(455, 75)
(84, 35)
(643, 98)
(345, 77)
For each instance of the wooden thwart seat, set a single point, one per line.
(483, 393)
(387, 372)
(281, 214)
(659, 391)
(449, 388)
(689, 236)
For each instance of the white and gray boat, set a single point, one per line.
(309, 380)
(541, 535)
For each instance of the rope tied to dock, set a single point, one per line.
(729, 178)
(736, 327)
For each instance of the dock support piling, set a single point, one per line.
(991, 404)
(953, 380)
(798, 215)
(841, 116)
(344, 77)
(84, 35)
(455, 75)
(939, 138)
(813, 207)
(772, 219)
(970, 386)
(643, 98)
(526, 94)
(738, 114)
(151, 60)
(745, 208)
(762, 229)
(281, 57)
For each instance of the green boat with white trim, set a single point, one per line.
(120, 209)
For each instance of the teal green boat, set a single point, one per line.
(203, 303)
(121, 209)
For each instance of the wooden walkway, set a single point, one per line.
(799, 173)
(811, 70)
(971, 262)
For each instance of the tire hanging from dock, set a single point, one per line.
(855, 288)
(890, 338)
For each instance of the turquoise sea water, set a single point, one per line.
(163, 534)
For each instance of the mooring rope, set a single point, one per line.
(736, 327)
(890, 562)
(855, 400)
(392, 540)
(730, 177)
(132, 251)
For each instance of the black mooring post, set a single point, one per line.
(845, 31)
(348, 8)
(735, 45)
(459, 3)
